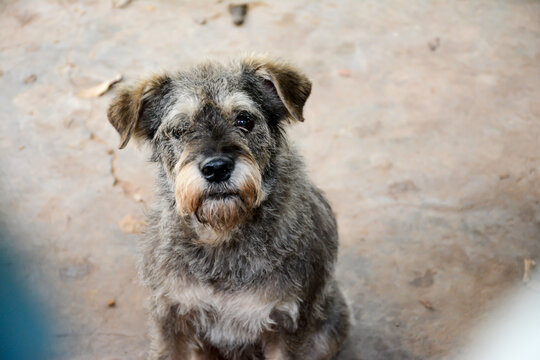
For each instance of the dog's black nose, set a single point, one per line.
(217, 169)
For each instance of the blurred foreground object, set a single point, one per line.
(23, 334)
(513, 331)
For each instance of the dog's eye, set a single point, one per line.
(177, 133)
(244, 122)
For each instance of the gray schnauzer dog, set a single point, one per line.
(240, 248)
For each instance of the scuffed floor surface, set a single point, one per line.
(422, 129)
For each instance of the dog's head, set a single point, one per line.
(215, 130)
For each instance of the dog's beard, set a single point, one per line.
(221, 214)
(222, 206)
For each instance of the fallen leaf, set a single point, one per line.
(427, 304)
(131, 225)
(100, 89)
(30, 79)
(255, 4)
(111, 303)
(238, 12)
(118, 4)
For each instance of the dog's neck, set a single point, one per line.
(208, 236)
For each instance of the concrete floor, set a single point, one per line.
(428, 151)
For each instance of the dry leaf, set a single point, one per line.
(30, 79)
(255, 4)
(111, 303)
(130, 225)
(100, 89)
(120, 3)
(427, 304)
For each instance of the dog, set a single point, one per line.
(240, 247)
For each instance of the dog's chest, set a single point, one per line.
(225, 318)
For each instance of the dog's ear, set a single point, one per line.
(131, 113)
(292, 86)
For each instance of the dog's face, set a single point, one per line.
(215, 129)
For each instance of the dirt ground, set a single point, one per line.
(422, 129)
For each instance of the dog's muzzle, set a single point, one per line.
(219, 191)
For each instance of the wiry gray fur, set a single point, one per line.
(263, 287)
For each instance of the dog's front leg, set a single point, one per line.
(318, 345)
(167, 343)
(275, 347)
(204, 354)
